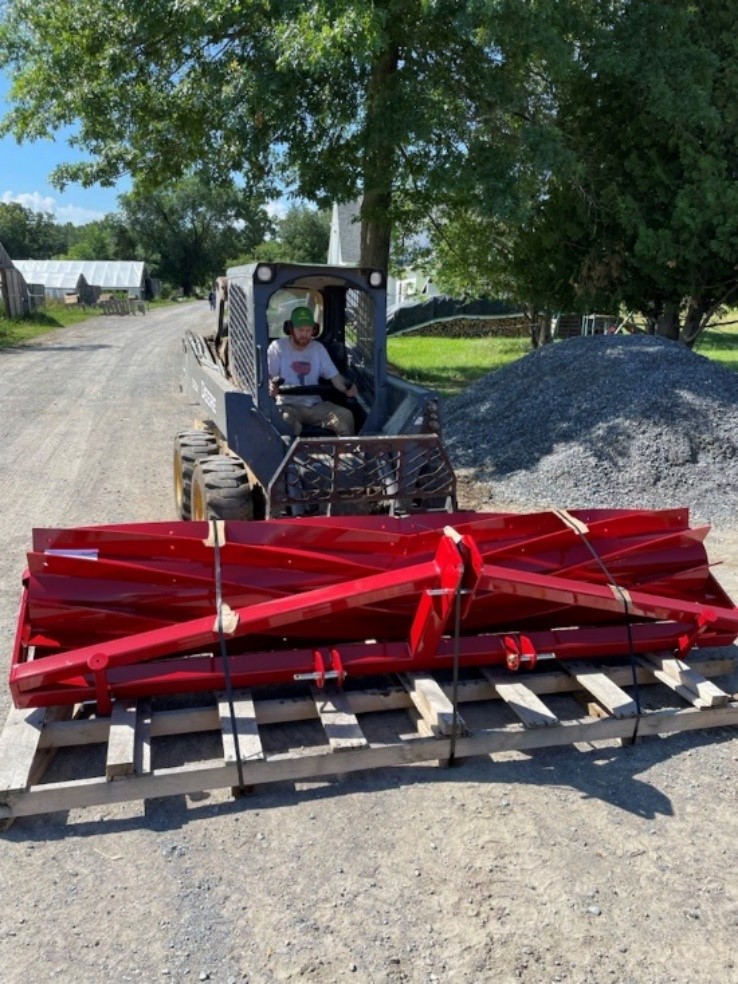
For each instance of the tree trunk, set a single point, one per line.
(540, 327)
(695, 319)
(376, 225)
(668, 321)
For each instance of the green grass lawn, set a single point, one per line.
(449, 365)
(14, 331)
(720, 344)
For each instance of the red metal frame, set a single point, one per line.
(129, 611)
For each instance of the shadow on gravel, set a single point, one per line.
(610, 775)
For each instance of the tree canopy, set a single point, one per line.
(640, 206)
(103, 239)
(332, 99)
(301, 235)
(571, 153)
(189, 231)
(27, 234)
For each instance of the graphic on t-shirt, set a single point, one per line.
(301, 370)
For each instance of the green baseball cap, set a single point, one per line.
(302, 317)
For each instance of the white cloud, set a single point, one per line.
(37, 202)
(34, 201)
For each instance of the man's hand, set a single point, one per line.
(344, 385)
(274, 384)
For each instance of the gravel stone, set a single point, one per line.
(603, 422)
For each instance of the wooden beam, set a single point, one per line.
(24, 756)
(122, 740)
(142, 748)
(601, 686)
(196, 777)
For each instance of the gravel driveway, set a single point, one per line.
(572, 864)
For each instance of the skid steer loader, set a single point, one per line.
(241, 460)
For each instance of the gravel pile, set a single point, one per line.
(613, 421)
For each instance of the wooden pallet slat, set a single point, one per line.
(249, 742)
(19, 743)
(685, 681)
(432, 703)
(23, 758)
(142, 744)
(321, 762)
(529, 708)
(121, 740)
(129, 739)
(339, 722)
(604, 690)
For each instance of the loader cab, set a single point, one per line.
(349, 307)
(243, 460)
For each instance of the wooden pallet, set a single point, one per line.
(345, 721)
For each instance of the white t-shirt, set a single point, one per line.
(299, 367)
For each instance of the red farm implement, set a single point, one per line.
(132, 611)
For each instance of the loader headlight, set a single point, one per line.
(376, 278)
(265, 273)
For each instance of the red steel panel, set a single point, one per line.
(122, 610)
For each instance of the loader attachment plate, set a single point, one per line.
(332, 475)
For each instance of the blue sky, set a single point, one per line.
(24, 178)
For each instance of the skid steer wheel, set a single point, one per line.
(190, 446)
(220, 490)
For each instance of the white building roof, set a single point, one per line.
(60, 281)
(108, 274)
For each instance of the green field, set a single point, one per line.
(449, 365)
(15, 331)
(720, 344)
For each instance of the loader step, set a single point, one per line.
(318, 733)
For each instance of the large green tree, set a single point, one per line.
(26, 234)
(301, 235)
(188, 231)
(639, 207)
(651, 111)
(104, 239)
(382, 98)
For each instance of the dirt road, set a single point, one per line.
(574, 864)
(88, 416)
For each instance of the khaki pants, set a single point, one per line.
(328, 415)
